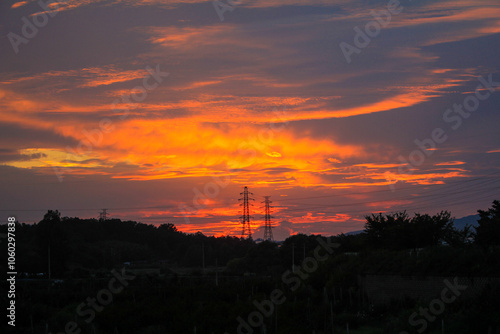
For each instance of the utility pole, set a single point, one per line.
(203, 256)
(331, 317)
(48, 256)
(216, 273)
(245, 217)
(268, 232)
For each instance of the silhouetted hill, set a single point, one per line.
(354, 232)
(460, 223)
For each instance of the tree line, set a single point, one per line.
(328, 299)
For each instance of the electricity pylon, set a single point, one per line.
(268, 228)
(103, 215)
(245, 217)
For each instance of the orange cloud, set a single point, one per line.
(18, 4)
(451, 163)
(89, 77)
(422, 178)
(175, 145)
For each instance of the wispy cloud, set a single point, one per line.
(344, 126)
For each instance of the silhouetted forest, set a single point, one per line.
(192, 283)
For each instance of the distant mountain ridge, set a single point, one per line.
(459, 223)
(470, 220)
(354, 232)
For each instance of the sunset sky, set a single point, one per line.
(162, 112)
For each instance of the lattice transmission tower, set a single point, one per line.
(245, 217)
(268, 228)
(103, 215)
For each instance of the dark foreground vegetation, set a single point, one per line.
(126, 277)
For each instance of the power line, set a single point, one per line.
(432, 195)
(445, 192)
(456, 193)
(459, 183)
(414, 206)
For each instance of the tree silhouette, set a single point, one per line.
(398, 231)
(391, 231)
(52, 239)
(488, 229)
